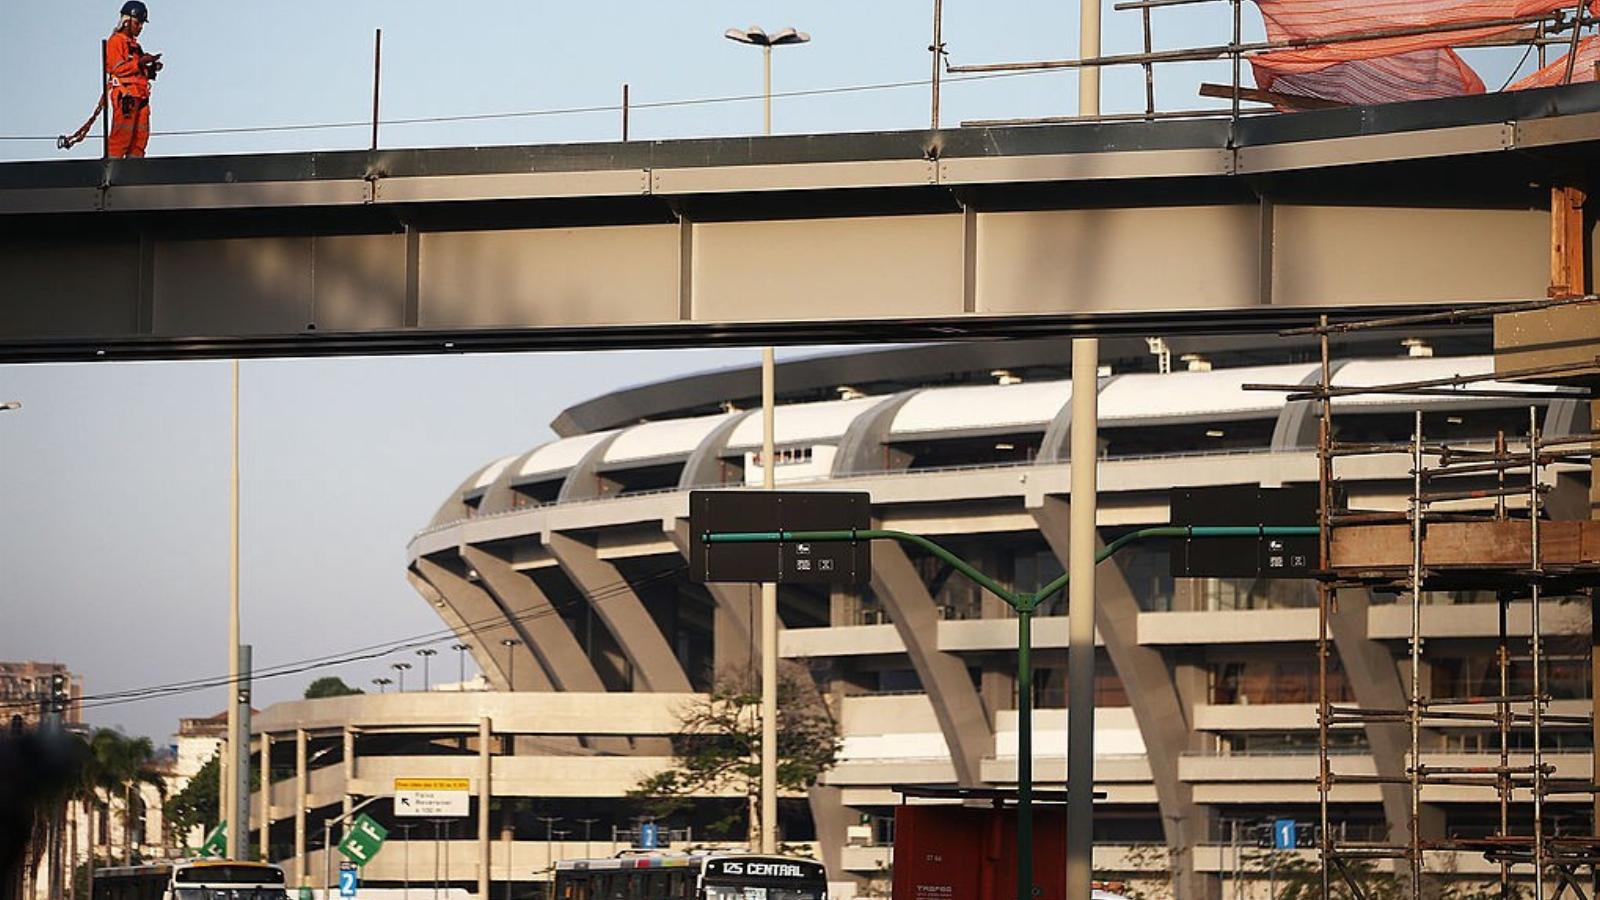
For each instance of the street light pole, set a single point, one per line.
(401, 668)
(461, 664)
(767, 838)
(238, 757)
(426, 653)
(511, 662)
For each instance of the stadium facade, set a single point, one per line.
(562, 571)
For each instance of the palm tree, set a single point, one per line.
(116, 765)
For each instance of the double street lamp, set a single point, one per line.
(401, 667)
(756, 37)
(426, 653)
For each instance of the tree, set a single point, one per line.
(718, 745)
(330, 686)
(199, 804)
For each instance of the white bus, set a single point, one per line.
(199, 879)
(691, 876)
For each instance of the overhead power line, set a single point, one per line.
(360, 654)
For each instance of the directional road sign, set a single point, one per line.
(1252, 556)
(1283, 834)
(349, 879)
(782, 562)
(216, 843)
(647, 836)
(435, 797)
(364, 840)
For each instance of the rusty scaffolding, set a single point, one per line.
(1475, 520)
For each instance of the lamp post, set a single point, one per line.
(511, 662)
(426, 653)
(401, 668)
(756, 37)
(383, 684)
(461, 664)
(767, 839)
(586, 823)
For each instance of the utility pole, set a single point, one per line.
(238, 753)
(239, 848)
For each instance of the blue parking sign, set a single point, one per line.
(348, 880)
(647, 836)
(1283, 834)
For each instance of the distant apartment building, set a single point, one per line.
(25, 686)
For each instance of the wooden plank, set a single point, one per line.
(1466, 544)
(1282, 101)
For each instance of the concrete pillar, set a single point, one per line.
(484, 796)
(623, 613)
(302, 788)
(349, 767)
(488, 622)
(1164, 719)
(536, 621)
(961, 715)
(266, 797)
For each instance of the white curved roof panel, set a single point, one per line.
(1216, 394)
(803, 422)
(493, 471)
(668, 437)
(1367, 372)
(560, 455)
(1030, 405)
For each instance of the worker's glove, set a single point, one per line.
(151, 64)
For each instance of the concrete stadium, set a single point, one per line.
(562, 570)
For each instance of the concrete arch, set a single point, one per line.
(499, 496)
(454, 509)
(1296, 428)
(732, 629)
(861, 448)
(537, 621)
(582, 481)
(1054, 446)
(1375, 681)
(623, 613)
(1165, 721)
(488, 623)
(956, 704)
(703, 467)
(1565, 417)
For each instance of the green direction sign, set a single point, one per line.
(364, 840)
(216, 843)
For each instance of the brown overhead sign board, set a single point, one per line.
(779, 561)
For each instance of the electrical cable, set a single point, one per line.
(372, 651)
(558, 111)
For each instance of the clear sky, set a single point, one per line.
(113, 479)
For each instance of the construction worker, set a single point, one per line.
(129, 71)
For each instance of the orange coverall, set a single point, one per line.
(129, 96)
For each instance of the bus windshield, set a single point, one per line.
(756, 892)
(228, 892)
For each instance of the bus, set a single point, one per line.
(197, 879)
(691, 876)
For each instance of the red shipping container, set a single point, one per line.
(970, 853)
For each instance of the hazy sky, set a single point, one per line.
(113, 479)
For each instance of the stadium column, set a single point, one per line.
(624, 614)
(1164, 721)
(1375, 681)
(478, 614)
(544, 631)
(944, 676)
(730, 639)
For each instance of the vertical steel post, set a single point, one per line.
(1415, 707)
(624, 112)
(1080, 609)
(1238, 38)
(766, 89)
(1025, 607)
(937, 49)
(1536, 642)
(377, 73)
(238, 752)
(1149, 68)
(1325, 600)
(105, 110)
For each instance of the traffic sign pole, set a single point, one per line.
(1025, 605)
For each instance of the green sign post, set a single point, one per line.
(363, 841)
(216, 843)
(1025, 604)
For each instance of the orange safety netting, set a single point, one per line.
(1556, 72)
(1381, 69)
